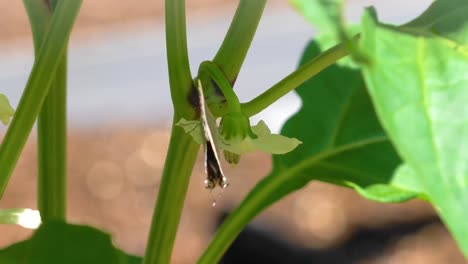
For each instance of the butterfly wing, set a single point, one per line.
(214, 172)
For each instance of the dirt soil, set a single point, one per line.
(103, 13)
(114, 175)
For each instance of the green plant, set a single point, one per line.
(413, 145)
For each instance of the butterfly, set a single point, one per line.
(214, 172)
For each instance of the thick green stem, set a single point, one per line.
(237, 42)
(292, 81)
(180, 78)
(37, 87)
(52, 149)
(51, 127)
(260, 197)
(183, 150)
(178, 167)
(208, 72)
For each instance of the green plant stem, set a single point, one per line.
(208, 72)
(237, 42)
(51, 128)
(37, 87)
(180, 78)
(259, 197)
(10, 216)
(52, 146)
(292, 81)
(178, 167)
(183, 150)
(265, 191)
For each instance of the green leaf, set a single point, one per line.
(405, 177)
(324, 14)
(403, 186)
(420, 88)
(272, 143)
(447, 18)
(344, 144)
(57, 243)
(193, 128)
(265, 140)
(6, 111)
(343, 141)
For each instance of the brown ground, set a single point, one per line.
(14, 21)
(103, 13)
(114, 175)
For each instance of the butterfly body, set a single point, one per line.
(214, 172)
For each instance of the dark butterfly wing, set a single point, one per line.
(214, 173)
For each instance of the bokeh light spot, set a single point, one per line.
(105, 179)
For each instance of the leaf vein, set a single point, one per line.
(340, 120)
(330, 153)
(424, 86)
(345, 169)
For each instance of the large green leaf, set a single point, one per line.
(420, 88)
(324, 14)
(447, 18)
(343, 144)
(343, 141)
(58, 243)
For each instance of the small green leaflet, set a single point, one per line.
(24, 217)
(6, 111)
(193, 127)
(265, 141)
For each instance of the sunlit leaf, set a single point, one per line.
(345, 144)
(265, 140)
(403, 186)
(323, 14)
(419, 85)
(343, 141)
(24, 217)
(405, 177)
(326, 16)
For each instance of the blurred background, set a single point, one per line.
(119, 117)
